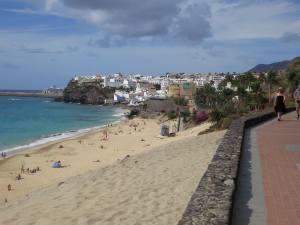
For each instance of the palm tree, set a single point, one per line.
(271, 80)
(245, 80)
(241, 93)
(293, 78)
(257, 95)
(206, 95)
(293, 74)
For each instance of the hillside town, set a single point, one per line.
(135, 89)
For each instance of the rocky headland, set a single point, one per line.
(86, 93)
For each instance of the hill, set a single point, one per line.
(283, 65)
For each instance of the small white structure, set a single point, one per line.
(53, 90)
(120, 96)
(112, 82)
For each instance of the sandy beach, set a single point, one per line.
(131, 177)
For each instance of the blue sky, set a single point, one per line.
(47, 42)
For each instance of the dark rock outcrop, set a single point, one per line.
(86, 93)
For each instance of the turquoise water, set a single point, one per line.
(25, 120)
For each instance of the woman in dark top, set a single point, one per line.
(279, 103)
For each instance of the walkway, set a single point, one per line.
(269, 183)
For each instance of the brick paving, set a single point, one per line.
(279, 151)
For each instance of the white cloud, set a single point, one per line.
(137, 19)
(256, 19)
(50, 4)
(221, 19)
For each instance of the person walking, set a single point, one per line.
(297, 100)
(279, 103)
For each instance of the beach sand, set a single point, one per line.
(140, 178)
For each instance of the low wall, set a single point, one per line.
(212, 202)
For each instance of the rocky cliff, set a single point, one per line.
(86, 93)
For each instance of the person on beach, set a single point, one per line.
(56, 164)
(3, 154)
(105, 135)
(297, 100)
(19, 177)
(22, 169)
(279, 103)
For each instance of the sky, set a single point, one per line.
(47, 42)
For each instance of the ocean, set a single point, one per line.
(27, 122)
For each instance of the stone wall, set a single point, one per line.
(211, 203)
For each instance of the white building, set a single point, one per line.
(116, 82)
(128, 83)
(201, 81)
(217, 79)
(165, 84)
(121, 96)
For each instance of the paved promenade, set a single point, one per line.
(269, 181)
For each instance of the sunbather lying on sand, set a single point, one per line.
(56, 164)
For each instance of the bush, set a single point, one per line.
(242, 110)
(200, 117)
(181, 101)
(229, 108)
(185, 114)
(226, 122)
(216, 115)
(290, 104)
(172, 115)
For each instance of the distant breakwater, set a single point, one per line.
(30, 94)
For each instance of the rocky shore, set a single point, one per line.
(85, 93)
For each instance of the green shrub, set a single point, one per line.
(216, 115)
(229, 108)
(185, 114)
(180, 101)
(290, 104)
(242, 110)
(226, 122)
(172, 115)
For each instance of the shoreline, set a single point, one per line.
(55, 139)
(105, 181)
(58, 136)
(82, 153)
